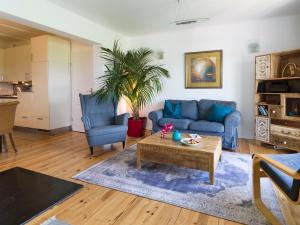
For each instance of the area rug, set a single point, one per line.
(229, 198)
(53, 221)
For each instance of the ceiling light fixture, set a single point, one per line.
(181, 20)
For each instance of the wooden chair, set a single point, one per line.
(7, 119)
(284, 172)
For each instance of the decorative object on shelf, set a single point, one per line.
(262, 66)
(290, 70)
(176, 135)
(131, 75)
(203, 69)
(167, 128)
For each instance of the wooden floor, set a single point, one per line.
(66, 154)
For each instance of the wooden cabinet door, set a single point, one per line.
(41, 123)
(262, 129)
(17, 63)
(39, 48)
(24, 109)
(263, 66)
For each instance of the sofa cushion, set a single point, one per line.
(218, 113)
(205, 104)
(286, 183)
(189, 109)
(104, 130)
(172, 109)
(206, 126)
(178, 123)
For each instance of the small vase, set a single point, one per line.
(176, 135)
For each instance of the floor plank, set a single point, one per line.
(64, 155)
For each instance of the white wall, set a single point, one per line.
(43, 14)
(238, 64)
(82, 73)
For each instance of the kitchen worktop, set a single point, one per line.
(8, 96)
(5, 101)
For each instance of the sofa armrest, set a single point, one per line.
(233, 120)
(122, 119)
(155, 115)
(86, 122)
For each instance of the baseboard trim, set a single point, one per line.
(51, 132)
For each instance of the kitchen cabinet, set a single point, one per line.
(24, 110)
(50, 106)
(39, 48)
(40, 89)
(17, 63)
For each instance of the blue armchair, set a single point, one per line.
(101, 123)
(284, 172)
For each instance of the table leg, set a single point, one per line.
(138, 159)
(211, 170)
(211, 177)
(1, 148)
(4, 144)
(220, 159)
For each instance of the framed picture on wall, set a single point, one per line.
(203, 69)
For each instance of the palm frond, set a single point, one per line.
(131, 75)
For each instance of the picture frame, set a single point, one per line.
(203, 69)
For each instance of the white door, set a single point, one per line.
(82, 72)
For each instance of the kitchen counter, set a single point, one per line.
(7, 101)
(8, 96)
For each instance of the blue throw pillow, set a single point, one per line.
(172, 110)
(217, 113)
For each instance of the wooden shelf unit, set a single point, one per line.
(277, 99)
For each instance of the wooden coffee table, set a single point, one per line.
(204, 156)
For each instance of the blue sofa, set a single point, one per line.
(194, 115)
(101, 123)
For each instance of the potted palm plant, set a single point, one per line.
(131, 75)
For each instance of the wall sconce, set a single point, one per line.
(253, 47)
(159, 54)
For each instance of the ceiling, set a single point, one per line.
(136, 17)
(16, 34)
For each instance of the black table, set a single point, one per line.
(24, 194)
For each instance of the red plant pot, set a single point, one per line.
(136, 128)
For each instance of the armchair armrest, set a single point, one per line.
(290, 172)
(233, 119)
(86, 122)
(122, 119)
(155, 115)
